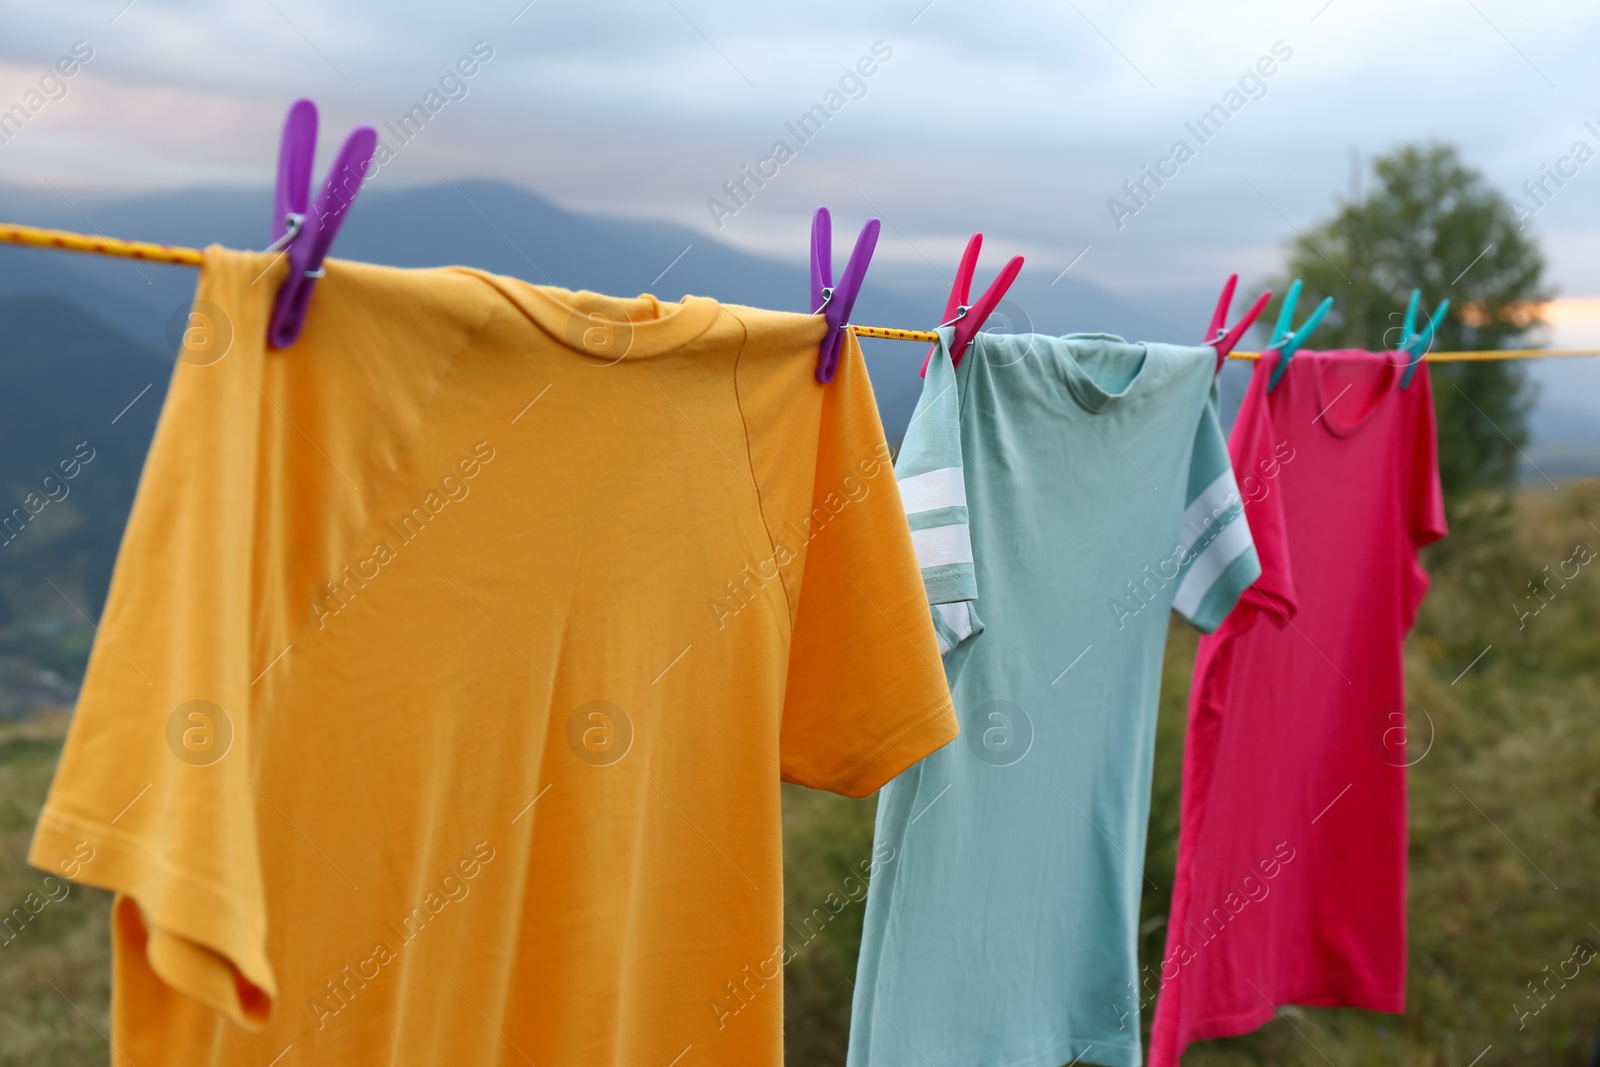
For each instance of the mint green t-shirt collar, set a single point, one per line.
(1084, 390)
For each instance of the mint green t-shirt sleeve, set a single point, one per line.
(1219, 556)
(933, 489)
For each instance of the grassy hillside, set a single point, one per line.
(1492, 903)
(55, 971)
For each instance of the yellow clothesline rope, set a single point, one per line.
(36, 237)
(100, 245)
(892, 334)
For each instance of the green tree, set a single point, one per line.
(1433, 223)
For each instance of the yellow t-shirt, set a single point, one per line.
(451, 664)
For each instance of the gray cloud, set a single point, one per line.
(1019, 120)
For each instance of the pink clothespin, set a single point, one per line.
(969, 319)
(1224, 340)
(836, 302)
(307, 230)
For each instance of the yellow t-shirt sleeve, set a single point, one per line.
(866, 693)
(258, 481)
(153, 796)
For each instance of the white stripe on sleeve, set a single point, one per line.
(1214, 501)
(958, 617)
(941, 545)
(1232, 541)
(942, 488)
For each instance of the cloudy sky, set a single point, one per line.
(1020, 119)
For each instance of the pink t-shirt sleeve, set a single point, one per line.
(1258, 458)
(1425, 506)
(1424, 503)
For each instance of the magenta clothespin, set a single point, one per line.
(969, 317)
(307, 230)
(836, 302)
(1224, 340)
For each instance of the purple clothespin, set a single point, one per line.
(307, 230)
(836, 302)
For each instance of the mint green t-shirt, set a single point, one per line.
(1064, 493)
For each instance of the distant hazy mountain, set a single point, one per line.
(1565, 441)
(78, 405)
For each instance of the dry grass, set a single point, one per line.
(55, 969)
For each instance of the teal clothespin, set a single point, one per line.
(1414, 343)
(1286, 343)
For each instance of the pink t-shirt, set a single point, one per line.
(1291, 880)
